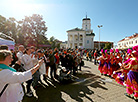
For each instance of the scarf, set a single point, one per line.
(3, 66)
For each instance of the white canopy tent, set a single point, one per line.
(9, 43)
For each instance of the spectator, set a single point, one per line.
(14, 57)
(42, 70)
(46, 58)
(20, 52)
(27, 60)
(95, 57)
(57, 59)
(13, 79)
(52, 65)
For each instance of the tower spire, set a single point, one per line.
(86, 14)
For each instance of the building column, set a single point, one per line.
(68, 41)
(92, 43)
(78, 40)
(83, 36)
(73, 42)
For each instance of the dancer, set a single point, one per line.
(102, 61)
(111, 63)
(105, 67)
(132, 79)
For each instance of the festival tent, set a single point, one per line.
(9, 43)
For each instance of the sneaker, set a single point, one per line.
(30, 94)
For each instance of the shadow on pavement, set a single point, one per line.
(86, 67)
(76, 91)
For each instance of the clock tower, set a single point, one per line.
(86, 24)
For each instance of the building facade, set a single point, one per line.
(63, 45)
(81, 38)
(102, 44)
(128, 42)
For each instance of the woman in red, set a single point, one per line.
(132, 79)
(121, 74)
(102, 61)
(111, 63)
(57, 59)
(105, 67)
(117, 60)
(128, 59)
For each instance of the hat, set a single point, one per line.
(101, 50)
(129, 51)
(135, 48)
(21, 46)
(117, 50)
(112, 50)
(105, 51)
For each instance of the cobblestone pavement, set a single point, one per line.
(89, 86)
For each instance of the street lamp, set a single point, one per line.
(99, 26)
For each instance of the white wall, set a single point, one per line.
(128, 43)
(88, 23)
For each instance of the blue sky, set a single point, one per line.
(118, 17)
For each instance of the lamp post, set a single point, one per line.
(99, 26)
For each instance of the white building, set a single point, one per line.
(63, 45)
(81, 38)
(128, 42)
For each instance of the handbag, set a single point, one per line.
(3, 89)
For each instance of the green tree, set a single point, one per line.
(8, 27)
(52, 42)
(3, 21)
(55, 43)
(33, 29)
(102, 45)
(108, 46)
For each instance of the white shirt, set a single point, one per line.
(28, 61)
(19, 55)
(42, 68)
(14, 91)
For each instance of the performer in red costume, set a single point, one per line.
(111, 63)
(102, 61)
(105, 67)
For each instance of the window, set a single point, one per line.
(86, 27)
(87, 41)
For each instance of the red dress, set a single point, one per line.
(101, 64)
(105, 67)
(111, 65)
(132, 79)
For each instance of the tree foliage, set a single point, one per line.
(108, 46)
(34, 28)
(54, 42)
(28, 31)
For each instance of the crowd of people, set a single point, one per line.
(29, 64)
(123, 67)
